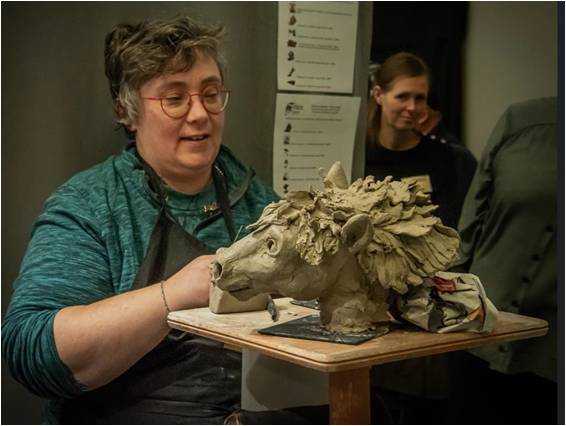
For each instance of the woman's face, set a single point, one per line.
(178, 149)
(404, 104)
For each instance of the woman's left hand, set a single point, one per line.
(428, 121)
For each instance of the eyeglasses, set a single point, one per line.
(176, 103)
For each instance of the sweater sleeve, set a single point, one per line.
(66, 264)
(468, 166)
(465, 166)
(476, 203)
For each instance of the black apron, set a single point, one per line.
(185, 379)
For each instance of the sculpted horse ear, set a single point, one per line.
(336, 177)
(357, 232)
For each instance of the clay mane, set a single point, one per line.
(349, 246)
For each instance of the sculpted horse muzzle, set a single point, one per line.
(226, 271)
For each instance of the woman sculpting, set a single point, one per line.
(120, 245)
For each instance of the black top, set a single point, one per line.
(449, 166)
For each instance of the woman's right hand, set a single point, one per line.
(189, 288)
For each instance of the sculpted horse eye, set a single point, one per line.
(271, 245)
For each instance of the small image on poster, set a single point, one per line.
(316, 46)
(312, 132)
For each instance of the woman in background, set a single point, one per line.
(401, 138)
(402, 141)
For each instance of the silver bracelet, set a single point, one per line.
(164, 299)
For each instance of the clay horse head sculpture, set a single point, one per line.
(348, 246)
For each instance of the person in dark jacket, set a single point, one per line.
(508, 229)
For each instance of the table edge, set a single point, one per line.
(363, 361)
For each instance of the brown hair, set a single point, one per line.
(136, 53)
(400, 64)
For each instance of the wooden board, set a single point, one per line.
(239, 329)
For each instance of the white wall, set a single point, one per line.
(510, 55)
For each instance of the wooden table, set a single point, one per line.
(348, 366)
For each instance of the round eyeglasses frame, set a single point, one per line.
(200, 95)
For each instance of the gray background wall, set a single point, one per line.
(510, 56)
(57, 115)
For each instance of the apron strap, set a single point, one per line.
(221, 187)
(155, 182)
(229, 203)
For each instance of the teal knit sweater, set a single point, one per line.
(88, 244)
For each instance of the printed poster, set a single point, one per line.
(312, 132)
(317, 46)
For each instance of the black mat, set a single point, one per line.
(309, 328)
(313, 304)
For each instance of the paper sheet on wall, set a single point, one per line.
(312, 131)
(316, 46)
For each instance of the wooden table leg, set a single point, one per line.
(349, 397)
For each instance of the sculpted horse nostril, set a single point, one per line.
(216, 270)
